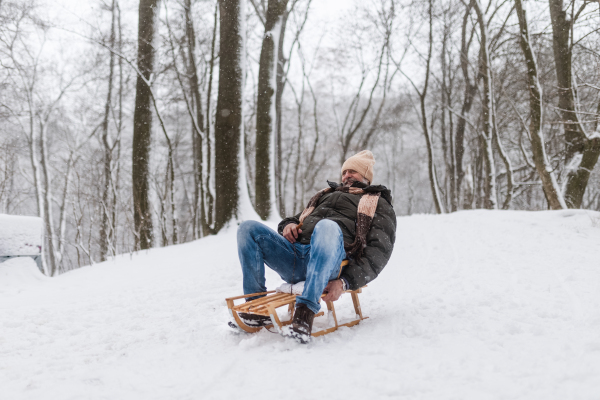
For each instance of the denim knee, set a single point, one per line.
(247, 229)
(328, 231)
(327, 226)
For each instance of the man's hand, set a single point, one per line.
(333, 290)
(291, 232)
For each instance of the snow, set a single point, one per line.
(473, 305)
(595, 134)
(17, 273)
(20, 236)
(297, 288)
(573, 165)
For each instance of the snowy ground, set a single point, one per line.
(473, 305)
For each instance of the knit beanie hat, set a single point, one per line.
(362, 163)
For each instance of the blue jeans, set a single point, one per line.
(316, 263)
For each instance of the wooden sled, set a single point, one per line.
(268, 305)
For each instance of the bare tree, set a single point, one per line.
(105, 205)
(142, 124)
(210, 192)
(39, 111)
(199, 130)
(470, 89)
(535, 133)
(582, 151)
(280, 81)
(446, 117)
(229, 122)
(283, 65)
(486, 135)
(265, 198)
(193, 102)
(422, 93)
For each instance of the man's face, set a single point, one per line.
(350, 176)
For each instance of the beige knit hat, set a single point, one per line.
(362, 163)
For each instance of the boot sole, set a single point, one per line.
(236, 327)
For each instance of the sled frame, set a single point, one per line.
(271, 301)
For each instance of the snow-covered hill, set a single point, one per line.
(473, 305)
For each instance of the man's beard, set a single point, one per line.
(348, 182)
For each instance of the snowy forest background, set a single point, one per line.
(213, 111)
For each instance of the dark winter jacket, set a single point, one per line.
(342, 208)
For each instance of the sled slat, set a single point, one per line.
(249, 295)
(263, 300)
(267, 306)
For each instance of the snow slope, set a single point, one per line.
(473, 305)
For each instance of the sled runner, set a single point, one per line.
(267, 306)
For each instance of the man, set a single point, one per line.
(354, 220)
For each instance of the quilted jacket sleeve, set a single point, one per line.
(380, 244)
(295, 219)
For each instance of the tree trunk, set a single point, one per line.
(581, 152)
(491, 201)
(171, 180)
(106, 189)
(549, 183)
(447, 127)
(228, 123)
(470, 90)
(209, 137)
(265, 200)
(510, 185)
(142, 125)
(47, 187)
(199, 195)
(62, 222)
(561, 29)
(116, 181)
(113, 232)
(577, 181)
(37, 180)
(469, 189)
(435, 187)
(278, 114)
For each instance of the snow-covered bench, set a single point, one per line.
(21, 237)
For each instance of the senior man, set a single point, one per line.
(354, 220)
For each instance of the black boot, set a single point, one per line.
(255, 320)
(251, 320)
(302, 323)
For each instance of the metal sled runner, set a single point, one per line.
(267, 306)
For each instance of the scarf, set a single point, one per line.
(366, 210)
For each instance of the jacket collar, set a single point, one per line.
(385, 192)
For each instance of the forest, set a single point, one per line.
(132, 125)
